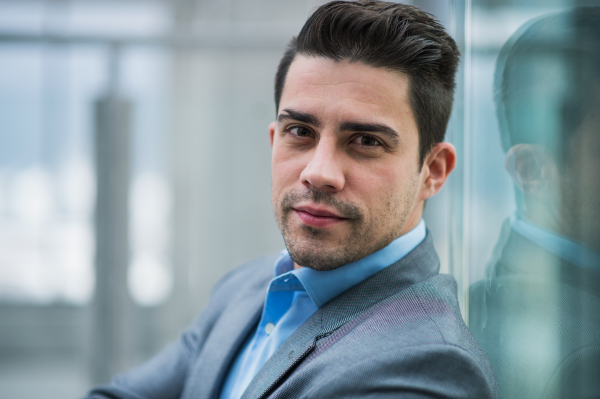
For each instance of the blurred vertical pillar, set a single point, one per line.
(186, 165)
(113, 308)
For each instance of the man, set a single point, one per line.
(537, 314)
(357, 307)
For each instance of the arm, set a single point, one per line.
(161, 377)
(165, 375)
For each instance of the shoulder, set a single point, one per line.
(431, 330)
(524, 311)
(445, 326)
(426, 313)
(412, 341)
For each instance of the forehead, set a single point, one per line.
(342, 89)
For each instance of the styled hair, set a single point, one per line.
(394, 36)
(547, 80)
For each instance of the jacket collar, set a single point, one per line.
(519, 257)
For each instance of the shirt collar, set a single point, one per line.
(323, 286)
(565, 248)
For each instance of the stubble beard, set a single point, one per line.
(312, 249)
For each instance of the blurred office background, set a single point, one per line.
(135, 169)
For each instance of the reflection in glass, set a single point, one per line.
(537, 312)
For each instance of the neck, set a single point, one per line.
(543, 214)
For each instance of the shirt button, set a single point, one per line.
(269, 328)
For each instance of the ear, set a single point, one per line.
(438, 164)
(272, 126)
(530, 168)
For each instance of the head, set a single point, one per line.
(547, 94)
(363, 96)
(386, 35)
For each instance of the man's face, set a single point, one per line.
(346, 179)
(562, 195)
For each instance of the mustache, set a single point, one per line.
(345, 209)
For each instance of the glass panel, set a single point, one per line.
(533, 220)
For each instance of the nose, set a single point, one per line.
(324, 170)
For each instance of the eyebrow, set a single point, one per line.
(371, 128)
(298, 116)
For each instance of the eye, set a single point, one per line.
(366, 141)
(300, 131)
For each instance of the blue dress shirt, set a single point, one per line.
(295, 294)
(565, 248)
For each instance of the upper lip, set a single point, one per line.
(315, 211)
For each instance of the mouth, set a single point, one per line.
(317, 216)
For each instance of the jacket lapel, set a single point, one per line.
(289, 354)
(418, 265)
(238, 320)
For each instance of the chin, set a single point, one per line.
(318, 255)
(320, 262)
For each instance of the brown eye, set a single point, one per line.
(300, 131)
(367, 141)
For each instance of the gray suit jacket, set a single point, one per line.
(397, 334)
(538, 318)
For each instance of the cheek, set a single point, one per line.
(285, 169)
(379, 188)
(394, 191)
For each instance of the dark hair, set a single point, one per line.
(386, 35)
(547, 80)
